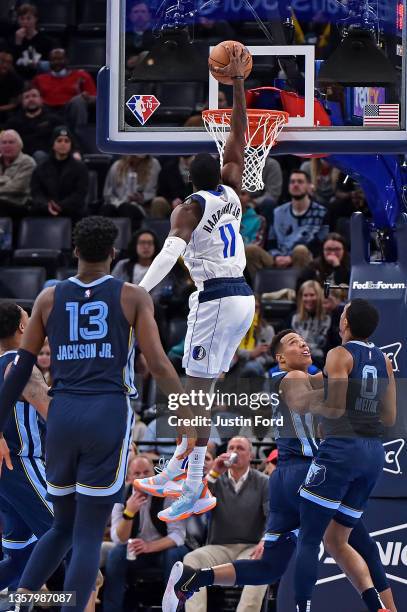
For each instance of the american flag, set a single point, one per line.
(381, 114)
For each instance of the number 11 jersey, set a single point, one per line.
(216, 248)
(92, 343)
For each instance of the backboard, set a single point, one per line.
(337, 66)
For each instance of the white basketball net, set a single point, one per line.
(266, 128)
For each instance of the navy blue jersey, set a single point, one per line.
(297, 437)
(368, 381)
(92, 343)
(24, 429)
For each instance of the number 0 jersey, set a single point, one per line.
(92, 343)
(368, 381)
(216, 248)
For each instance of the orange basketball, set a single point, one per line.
(219, 57)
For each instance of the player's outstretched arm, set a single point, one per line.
(184, 220)
(388, 403)
(21, 370)
(233, 156)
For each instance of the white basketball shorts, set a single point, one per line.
(215, 330)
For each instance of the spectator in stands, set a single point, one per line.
(44, 362)
(30, 47)
(332, 265)
(271, 462)
(295, 231)
(333, 306)
(142, 249)
(324, 179)
(34, 123)
(173, 182)
(11, 86)
(16, 169)
(310, 321)
(68, 92)
(237, 523)
(253, 353)
(349, 198)
(59, 184)
(138, 35)
(297, 223)
(136, 528)
(130, 187)
(253, 225)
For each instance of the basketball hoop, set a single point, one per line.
(263, 128)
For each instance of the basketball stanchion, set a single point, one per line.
(263, 128)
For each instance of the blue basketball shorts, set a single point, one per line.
(26, 513)
(284, 512)
(87, 445)
(343, 475)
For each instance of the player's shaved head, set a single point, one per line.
(10, 318)
(362, 318)
(205, 172)
(94, 238)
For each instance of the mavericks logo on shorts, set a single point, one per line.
(316, 475)
(198, 353)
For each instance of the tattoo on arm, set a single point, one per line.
(36, 392)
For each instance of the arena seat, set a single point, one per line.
(178, 99)
(93, 16)
(123, 224)
(6, 235)
(273, 279)
(21, 283)
(40, 232)
(56, 16)
(87, 53)
(160, 227)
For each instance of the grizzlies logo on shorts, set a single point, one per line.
(316, 475)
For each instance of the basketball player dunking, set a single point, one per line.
(205, 231)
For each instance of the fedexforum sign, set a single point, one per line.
(377, 285)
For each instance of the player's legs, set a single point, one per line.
(17, 543)
(365, 545)
(355, 563)
(280, 541)
(53, 546)
(339, 483)
(88, 530)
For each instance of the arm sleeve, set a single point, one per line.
(15, 383)
(173, 248)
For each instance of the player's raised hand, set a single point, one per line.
(4, 455)
(239, 60)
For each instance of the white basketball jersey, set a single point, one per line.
(216, 248)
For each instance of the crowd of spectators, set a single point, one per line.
(299, 222)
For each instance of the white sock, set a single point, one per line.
(196, 467)
(174, 464)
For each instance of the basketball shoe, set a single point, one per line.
(190, 502)
(179, 587)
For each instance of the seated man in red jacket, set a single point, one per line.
(67, 91)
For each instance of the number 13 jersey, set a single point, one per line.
(92, 343)
(216, 248)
